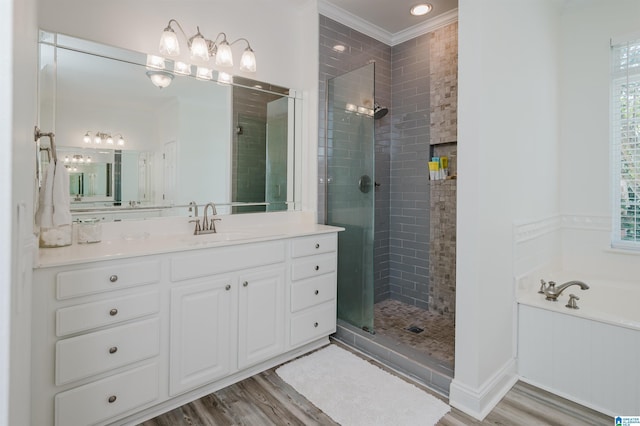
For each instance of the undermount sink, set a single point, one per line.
(220, 237)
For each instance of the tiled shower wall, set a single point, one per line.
(359, 51)
(403, 149)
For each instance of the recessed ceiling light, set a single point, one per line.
(339, 48)
(421, 9)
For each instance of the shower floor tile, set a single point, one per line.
(392, 318)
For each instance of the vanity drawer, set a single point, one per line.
(107, 398)
(89, 354)
(96, 280)
(313, 266)
(105, 312)
(313, 291)
(315, 244)
(215, 261)
(312, 324)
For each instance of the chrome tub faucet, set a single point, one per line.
(552, 292)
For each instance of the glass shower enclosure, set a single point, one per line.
(350, 189)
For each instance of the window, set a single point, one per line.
(625, 127)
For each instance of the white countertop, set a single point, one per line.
(142, 238)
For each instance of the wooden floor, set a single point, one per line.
(265, 399)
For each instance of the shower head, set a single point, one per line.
(379, 112)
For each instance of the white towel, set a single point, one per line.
(61, 198)
(54, 203)
(44, 215)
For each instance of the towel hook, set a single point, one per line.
(37, 134)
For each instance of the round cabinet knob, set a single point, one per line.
(244, 284)
(317, 267)
(315, 324)
(113, 349)
(317, 245)
(113, 278)
(113, 312)
(112, 399)
(227, 287)
(316, 292)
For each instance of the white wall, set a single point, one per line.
(585, 176)
(6, 100)
(18, 147)
(508, 158)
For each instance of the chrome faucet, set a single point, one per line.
(209, 225)
(552, 292)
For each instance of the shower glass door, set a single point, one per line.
(350, 189)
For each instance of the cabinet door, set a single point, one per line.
(200, 333)
(260, 316)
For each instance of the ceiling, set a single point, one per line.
(387, 20)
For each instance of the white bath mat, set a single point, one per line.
(354, 392)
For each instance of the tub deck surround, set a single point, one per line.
(588, 355)
(166, 235)
(153, 317)
(613, 302)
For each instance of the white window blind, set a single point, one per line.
(625, 126)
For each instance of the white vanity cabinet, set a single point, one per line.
(95, 341)
(120, 341)
(313, 287)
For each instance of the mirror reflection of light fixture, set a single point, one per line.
(159, 78)
(224, 78)
(77, 158)
(99, 137)
(204, 73)
(203, 49)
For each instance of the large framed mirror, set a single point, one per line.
(134, 150)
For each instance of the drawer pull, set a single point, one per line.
(112, 399)
(244, 284)
(315, 324)
(113, 349)
(113, 312)
(317, 245)
(227, 287)
(316, 292)
(317, 267)
(113, 278)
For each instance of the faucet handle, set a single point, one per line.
(571, 304)
(552, 284)
(543, 286)
(198, 228)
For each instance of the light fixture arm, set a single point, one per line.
(179, 26)
(242, 39)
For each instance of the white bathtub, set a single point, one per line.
(590, 355)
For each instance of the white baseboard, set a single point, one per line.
(478, 402)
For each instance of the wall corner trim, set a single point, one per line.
(478, 402)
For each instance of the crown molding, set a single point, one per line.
(353, 21)
(425, 27)
(391, 39)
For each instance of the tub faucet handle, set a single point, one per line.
(543, 286)
(571, 304)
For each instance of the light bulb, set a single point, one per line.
(169, 43)
(97, 140)
(120, 141)
(86, 138)
(88, 159)
(160, 79)
(224, 56)
(109, 140)
(199, 48)
(248, 60)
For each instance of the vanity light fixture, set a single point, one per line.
(99, 137)
(421, 9)
(203, 49)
